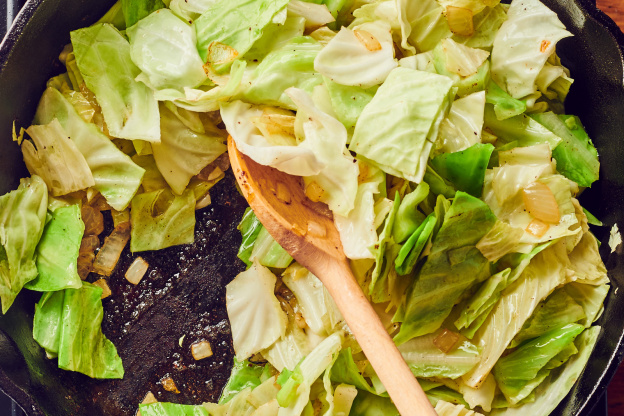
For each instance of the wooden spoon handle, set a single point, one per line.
(375, 341)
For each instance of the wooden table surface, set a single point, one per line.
(615, 9)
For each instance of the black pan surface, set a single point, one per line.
(183, 293)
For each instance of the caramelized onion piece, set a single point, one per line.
(201, 350)
(541, 203)
(93, 220)
(222, 162)
(106, 292)
(169, 385)
(446, 340)
(108, 256)
(136, 271)
(86, 255)
(314, 192)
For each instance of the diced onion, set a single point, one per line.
(136, 271)
(300, 320)
(86, 255)
(369, 41)
(220, 53)
(169, 385)
(201, 350)
(222, 162)
(314, 191)
(541, 203)
(537, 228)
(109, 254)
(93, 220)
(203, 202)
(446, 340)
(99, 203)
(106, 292)
(149, 398)
(460, 20)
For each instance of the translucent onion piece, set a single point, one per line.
(203, 202)
(460, 20)
(106, 292)
(136, 271)
(108, 256)
(201, 350)
(446, 340)
(86, 255)
(369, 41)
(99, 203)
(537, 228)
(541, 203)
(93, 220)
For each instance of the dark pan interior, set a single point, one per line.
(183, 294)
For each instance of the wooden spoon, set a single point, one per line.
(306, 231)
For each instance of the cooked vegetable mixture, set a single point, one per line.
(435, 132)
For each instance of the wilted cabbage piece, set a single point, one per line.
(129, 107)
(256, 318)
(56, 159)
(360, 57)
(292, 65)
(523, 44)
(115, 175)
(237, 24)
(462, 127)
(396, 130)
(67, 324)
(57, 251)
(160, 219)
(163, 47)
(182, 153)
(135, 10)
(22, 220)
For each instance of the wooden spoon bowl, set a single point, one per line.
(306, 231)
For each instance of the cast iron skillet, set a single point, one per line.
(183, 293)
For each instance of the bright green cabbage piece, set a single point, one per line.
(22, 220)
(557, 310)
(244, 374)
(408, 217)
(576, 156)
(346, 371)
(68, 324)
(369, 404)
(505, 106)
(290, 66)
(483, 300)
(465, 169)
(237, 24)
(522, 128)
(249, 227)
(129, 106)
(397, 128)
(57, 251)
(160, 219)
(514, 371)
(348, 101)
(172, 409)
(258, 244)
(413, 247)
(453, 266)
(119, 178)
(465, 223)
(135, 10)
(164, 48)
